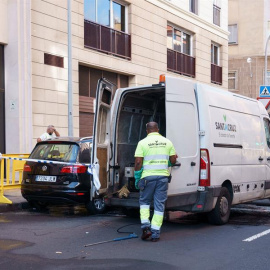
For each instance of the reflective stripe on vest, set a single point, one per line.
(155, 157)
(156, 167)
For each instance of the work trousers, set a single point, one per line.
(153, 187)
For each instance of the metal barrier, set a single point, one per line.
(13, 170)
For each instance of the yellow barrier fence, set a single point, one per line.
(14, 171)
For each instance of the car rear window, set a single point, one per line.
(61, 152)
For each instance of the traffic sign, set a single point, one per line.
(265, 91)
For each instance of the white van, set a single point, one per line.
(222, 140)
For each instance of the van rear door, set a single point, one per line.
(182, 128)
(101, 133)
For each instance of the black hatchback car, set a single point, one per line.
(45, 183)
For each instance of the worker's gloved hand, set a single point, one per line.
(169, 164)
(137, 176)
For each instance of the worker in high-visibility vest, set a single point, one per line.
(153, 156)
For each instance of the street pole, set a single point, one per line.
(265, 61)
(70, 93)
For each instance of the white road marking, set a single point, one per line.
(256, 236)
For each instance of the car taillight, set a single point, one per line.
(204, 168)
(67, 169)
(74, 169)
(79, 169)
(26, 168)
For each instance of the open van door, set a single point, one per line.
(101, 154)
(182, 128)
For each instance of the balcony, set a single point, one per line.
(180, 63)
(107, 40)
(216, 74)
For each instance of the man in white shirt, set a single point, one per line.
(51, 133)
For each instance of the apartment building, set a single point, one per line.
(128, 42)
(249, 27)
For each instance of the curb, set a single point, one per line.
(4, 208)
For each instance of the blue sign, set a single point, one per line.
(265, 91)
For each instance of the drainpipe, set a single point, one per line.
(70, 93)
(265, 61)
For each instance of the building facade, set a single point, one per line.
(128, 42)
(249, 27)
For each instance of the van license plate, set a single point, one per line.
(44, 178)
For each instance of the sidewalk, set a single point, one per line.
(18, 202)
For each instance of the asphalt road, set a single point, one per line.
(56, 240)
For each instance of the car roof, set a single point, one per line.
(69, 139)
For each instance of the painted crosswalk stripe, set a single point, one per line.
(256, 236)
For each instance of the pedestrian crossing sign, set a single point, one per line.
(265, 91)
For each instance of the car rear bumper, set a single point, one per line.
(43, 194)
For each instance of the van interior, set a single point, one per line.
(136, 110)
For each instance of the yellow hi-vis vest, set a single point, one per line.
(155, 151)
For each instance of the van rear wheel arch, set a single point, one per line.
(228, 184)
(221, 212)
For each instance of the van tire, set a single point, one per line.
(221, 213)
(96, 206)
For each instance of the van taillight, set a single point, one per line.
(204, 168)
(26, 168)
(74, 169)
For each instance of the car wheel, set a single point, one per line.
(221, 213)
(97, 206)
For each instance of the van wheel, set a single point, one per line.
(97, 206)
(221, 213)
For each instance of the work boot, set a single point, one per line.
(146, 233)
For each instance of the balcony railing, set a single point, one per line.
(107, 40)
(180, 63)
(216, 74)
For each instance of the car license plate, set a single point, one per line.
(44, 178)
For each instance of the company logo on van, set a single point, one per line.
(225, 126)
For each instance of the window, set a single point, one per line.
(193, 6)
(216, 70)
(61, 152)
(267, 131)
(233, 37)
(179, 52)
(232, 80)
(178, 40)
(216, 12)
(105, 27)
(214, 54)
(106, 12)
